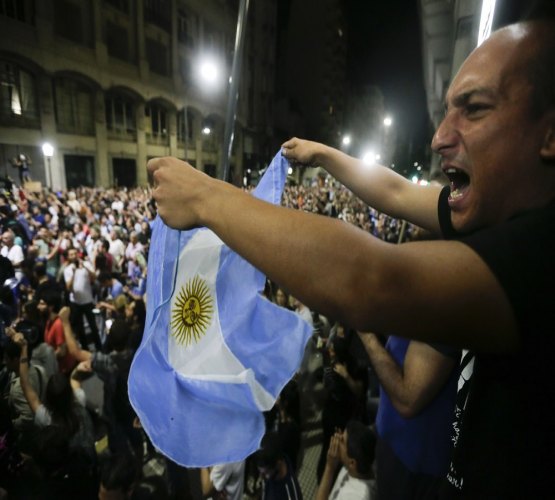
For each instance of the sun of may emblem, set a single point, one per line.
(192, 312)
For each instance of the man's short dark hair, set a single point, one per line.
(53, 299)
(270, 451)
(118, 337)
(40, 269)
(361, 444)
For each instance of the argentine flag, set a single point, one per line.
(215, 352)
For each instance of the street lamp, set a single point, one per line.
(387, 121)
(369, 158)
(208, 71)
(206, 130)
(48, 152)
(346, 140)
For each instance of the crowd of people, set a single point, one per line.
(73, 265)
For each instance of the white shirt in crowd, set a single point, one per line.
(14, 254)
(82, 288)
(229, 477)
(350, 488)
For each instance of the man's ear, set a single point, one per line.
(547, 151)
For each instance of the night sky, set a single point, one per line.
(384, 49)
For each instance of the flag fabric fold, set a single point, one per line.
(215, 353)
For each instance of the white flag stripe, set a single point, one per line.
(207, 358)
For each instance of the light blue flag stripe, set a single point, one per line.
(210, 420)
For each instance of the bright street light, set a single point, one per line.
(209, 71)
(369, 158)
(414, 179)
(47, 149)
(387, 121)
(346, 140)
(206, 130)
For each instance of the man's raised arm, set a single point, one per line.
(414, 290)
(378, 186)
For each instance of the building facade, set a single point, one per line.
(112, 83)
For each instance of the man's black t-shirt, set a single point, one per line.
(504, 430)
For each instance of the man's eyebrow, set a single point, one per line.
(463, 98)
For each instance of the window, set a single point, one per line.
(14, 9)
(184, 128)
(158, 57)
(156, 124)
(186, 27)
(74, 107)
(186, 70)
(211, 37)
(158, 12)
(67, 21)
(120, 117)
(122, 5)
(18, 103)
(117, 41)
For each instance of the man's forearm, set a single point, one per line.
(379, 186)
(389, 373)
(342, 271)
(326, 483)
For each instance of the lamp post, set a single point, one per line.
(48, 152)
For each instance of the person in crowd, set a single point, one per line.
(287, 424)
(223, 481)
(481, 288)
(117, 249)
(103, 260)
(344, 384)
(113, 286)
(282, 298)
(63, 406)
(113, 369)
(279, 479)
(79, 277)
(20, 411)
(118, 476)
(353, 449)
(13, 252)
(49, 306)
(418, 384)
(43, 282)
(6, 269)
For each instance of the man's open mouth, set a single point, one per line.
(458, 180)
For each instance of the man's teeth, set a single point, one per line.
(455, 194)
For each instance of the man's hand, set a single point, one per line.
(64, 314)
(341, 370)
(178, 190)
(84, 366)
(19, 339)
(302, 151)
(333, 457)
